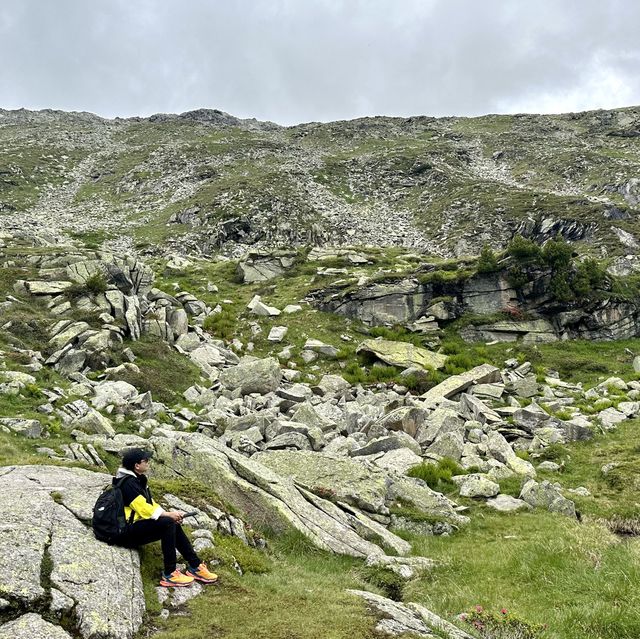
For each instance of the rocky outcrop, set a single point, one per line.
(261, 267)
(120, 292)
(428, 306)
(358, 483)
(257, 376)
(59, 568)
(264, 497)
(385, 303)
(409, 619)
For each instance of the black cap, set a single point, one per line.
(133, 456)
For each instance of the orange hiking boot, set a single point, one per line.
(202, 574)
(176, 580)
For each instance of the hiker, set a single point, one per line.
(147, 522)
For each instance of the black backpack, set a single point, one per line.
(108, 514)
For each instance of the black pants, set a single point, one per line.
(171, 537)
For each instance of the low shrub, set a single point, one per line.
(501, 625)
(96, 284)
(524, 250)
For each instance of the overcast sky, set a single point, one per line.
(296, 61)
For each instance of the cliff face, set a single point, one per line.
(206, 181)
(499, 312)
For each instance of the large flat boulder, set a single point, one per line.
(402, 354)
(530, 332)
(263, 496)
(358, 483)
(45, 522)
(344, 478)
(47, 288)
(32, 626)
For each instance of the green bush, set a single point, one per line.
(391, 584)
(488, 261)
(524, 250)
(354, 373)
(557, 254)
(517, 277)
(589, 277)
(96, 284)
(560, 287)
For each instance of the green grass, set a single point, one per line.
(163, 371)
(614, 495)
(302, 596)
(437, 476)
(577, 578)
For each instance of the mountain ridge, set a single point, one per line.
(205, 181)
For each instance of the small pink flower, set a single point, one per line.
(504, 611)
(479, 608)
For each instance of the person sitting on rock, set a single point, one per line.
(151, 522)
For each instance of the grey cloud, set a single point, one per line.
(293, 61)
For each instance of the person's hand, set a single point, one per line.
(176, 515)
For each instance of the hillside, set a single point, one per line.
(205, 181)
(392, 366)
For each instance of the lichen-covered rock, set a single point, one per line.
(32, 626)
(29, 428)
(348, 480)
(53, 504)
(264, 497)
(257, 376)
(94, 423)
(117, 393)
(358, 483)
(476, 485)
(483, 374)
(387, 443)
(547, 495)
(402, 354)
(409, 619)
(507, 504)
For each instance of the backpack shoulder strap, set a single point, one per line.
(119, 483)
